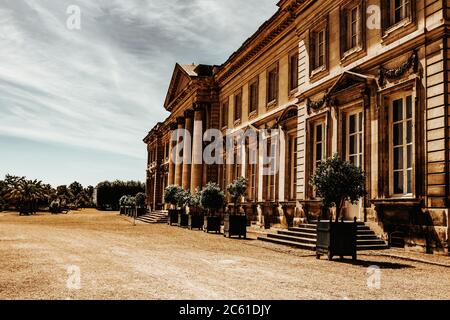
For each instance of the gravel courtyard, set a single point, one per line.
(40, 254)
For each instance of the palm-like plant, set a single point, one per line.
(26, 193)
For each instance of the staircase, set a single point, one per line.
(154, 217)
(304, 237)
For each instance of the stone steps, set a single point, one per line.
(157, 217)
(304, 237)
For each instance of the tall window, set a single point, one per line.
(402, 145)
(320, 49)
(355, 138)
(293, 167)
(351, 35)
(253, 96)
(251, 173)
(319, 144)
(237, 105)
(293, 71)
(224, 116)
(272, 84)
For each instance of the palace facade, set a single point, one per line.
(365, 79)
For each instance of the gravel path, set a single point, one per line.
(40, 254)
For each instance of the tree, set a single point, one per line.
(172, 194)
(336, 181)
(237, 190)
(212, 197)
(140, 200)
(26, 193)
(75, 188)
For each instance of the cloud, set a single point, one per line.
(102, 87)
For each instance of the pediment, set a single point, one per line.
(181, 79)
(348, 80)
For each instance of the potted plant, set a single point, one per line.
(196, 216)
(183, 198)
(212, 199)
(235, 224)
(141, 210)
(336, 182)
(122, 201)
(171, 197)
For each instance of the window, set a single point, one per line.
(253, 96)
(293, 71)
(272, 85)
(224, 117)
(352, 27)
(293, 167)
(396, 11)
(319, 144)
(402, 143)
(320, 49)
(355, 138)
(167, 151)
(252, 173)
(237, 105)
(269, 178)
(400, 10)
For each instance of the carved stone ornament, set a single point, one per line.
(397, 73)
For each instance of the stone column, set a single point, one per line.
(187, 151)
(282, 165)
(171, 180)
(179, 165)
(197, 150)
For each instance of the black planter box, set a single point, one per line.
(212, 224)
(336, 239)
(173, 217)
(183, 220)
(141, 212)
(235, 225)
(196, 221)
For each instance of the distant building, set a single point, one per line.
(365, 79)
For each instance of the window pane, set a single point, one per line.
(409, 156)
(352, 121)
(360, 143)
(353, 145)
(398, 158)
(319, 133)
(409, 131)
(409, 181)
(398, 110)
(398, 182)
(354, 159)
(318, 152)
(408, 107)
(398, 134)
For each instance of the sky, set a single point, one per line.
(75, 103)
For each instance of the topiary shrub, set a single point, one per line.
(140, 200)
(172, 194)
(237, 190)
(336, 181)
(212, 197)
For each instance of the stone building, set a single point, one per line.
(365, 79)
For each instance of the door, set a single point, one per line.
(355, 154)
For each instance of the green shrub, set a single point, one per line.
(140, 200)
(212, 197)
(336, 181)
(171, 194)
(55, 207)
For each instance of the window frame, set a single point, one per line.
(293, 73)
(273, 68)
(391, 99)
(237, 97)
(318, 71)
(358, 112)
(224, 113)
(253, 82)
